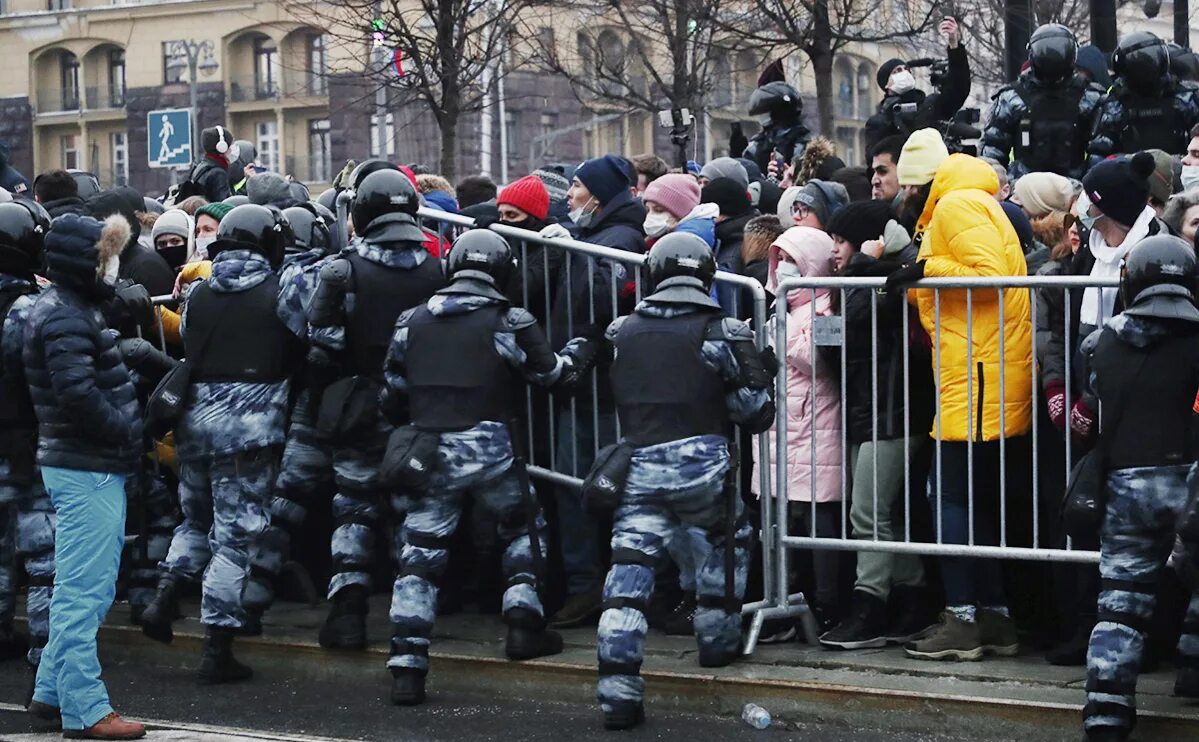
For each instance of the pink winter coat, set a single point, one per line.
(812, 401)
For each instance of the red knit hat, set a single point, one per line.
(527, 194)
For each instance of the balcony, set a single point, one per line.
(289, 86)
(311, 169)
(57, 100)
(100, 98)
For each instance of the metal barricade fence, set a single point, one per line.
(827, 335)
(551, 271)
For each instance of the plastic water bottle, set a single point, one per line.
(756, 716)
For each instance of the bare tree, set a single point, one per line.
(646, 56)
(821, 28)
(449, 51)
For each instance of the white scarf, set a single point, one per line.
(1098, 305)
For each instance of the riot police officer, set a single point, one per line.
(905, 108)
(1144, 368)
(241, 346)
(306, 470)
(780, 111)
(1044, 119)
(682, 471)
(456, 363)
(352, 314)
(26, 515)
(1147, 107)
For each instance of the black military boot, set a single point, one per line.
(217, 664)
(251, 622)
(624, 715)
(345, 628)
(528, 637)
(407, 686)
(157, 617)
(1186, 683)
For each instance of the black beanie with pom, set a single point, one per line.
(1119, 187)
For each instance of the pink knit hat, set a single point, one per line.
(678, 193)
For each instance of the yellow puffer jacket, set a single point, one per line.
(966, 234)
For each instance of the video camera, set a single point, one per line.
(938, 70)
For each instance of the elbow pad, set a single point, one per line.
(325, 308)
(756, 369)
(761, 422)
(140, 355)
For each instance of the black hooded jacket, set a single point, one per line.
(138, 264)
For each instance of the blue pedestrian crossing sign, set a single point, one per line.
(169, 137)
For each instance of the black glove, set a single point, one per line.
(905, 276)
(484, 221)
(583, 357)
(322, 370)
(132, 300)
(769, 361)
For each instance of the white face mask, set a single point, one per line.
(202, 244)
(581, 217)
(112, 267)
(1190, 177)
(786, 270)
(902, 82)
(657, 224)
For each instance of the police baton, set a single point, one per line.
(532, 508)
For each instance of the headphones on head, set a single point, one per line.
(222, 146)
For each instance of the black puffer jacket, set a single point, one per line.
(893, 405)
(68, 205)
(87, 411)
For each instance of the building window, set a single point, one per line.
(120, 158)
(268, 144)
(549, 122)
(320, 152)
(58, 4)
(266, 76)
(171, 74)
(70, 151)
(69, 65)
(317, 65)
(512, 128)
(388, 139)
(116, 78)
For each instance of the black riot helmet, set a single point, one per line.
(23, 226)
(1142, 60)
(682, 268)
(310, 228)
(1052, 51)
(260, 229)
(480, 262)
(380, 193)
(365, 168)
(776, 103)
(238, 200)
(328, 199)
(1158, 279)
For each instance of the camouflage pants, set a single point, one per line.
(428, 530)
(304, 475)
(27, 524)
(1138, 534)
(224, 503)
(358, 508)
(643, 524)
(152, 517)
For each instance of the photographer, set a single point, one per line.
(905, 109)
(1044, 118)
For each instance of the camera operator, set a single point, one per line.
(1147, 107)
(905, 109)
(1045, 118)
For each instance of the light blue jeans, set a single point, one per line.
(91, 528)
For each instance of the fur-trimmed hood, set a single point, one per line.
(78, 248)
(819, 161)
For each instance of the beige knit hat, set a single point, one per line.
(922, 154)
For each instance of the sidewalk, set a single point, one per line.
(1019, 698)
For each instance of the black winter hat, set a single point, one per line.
(216, 140)
(728, 195)
(884, 72)
(860, 221)
(1119, 187)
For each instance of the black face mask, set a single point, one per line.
(175, 255)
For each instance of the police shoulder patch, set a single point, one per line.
(336, 270)
(614, 328)
(518, 318)
(406, 316)
(729, 328)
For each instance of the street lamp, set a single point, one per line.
(192, 55)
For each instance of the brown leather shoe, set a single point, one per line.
(110, 727)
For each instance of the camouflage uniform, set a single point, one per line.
(679, 483)
(152, 516)
(360, 497)
(477, 462)
(1143, 509)
(228, 445)
(1112, 135)
(999, 138)
(307, 466)
(27, 519)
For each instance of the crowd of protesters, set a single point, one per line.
(914, 425)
